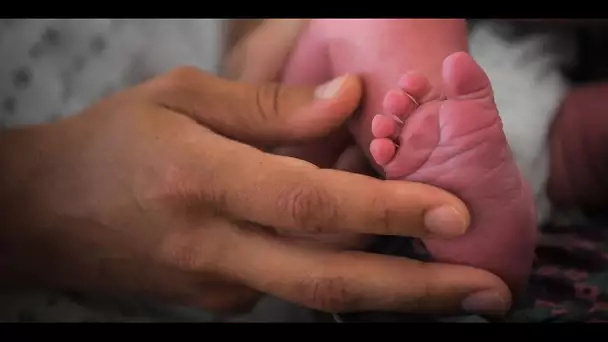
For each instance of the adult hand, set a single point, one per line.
(257, 53)
(157, 191)
(258, 56)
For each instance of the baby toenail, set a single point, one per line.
(445, 221)
(396, 118)
(412, 98)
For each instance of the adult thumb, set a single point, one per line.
(259, 114)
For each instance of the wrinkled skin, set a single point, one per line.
(467, 155)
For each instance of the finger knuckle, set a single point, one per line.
(183, 187)
(419, 302)
(180, 253)
(187, 257)
(184, 74)
(267, 101)
(173, 181)
(328, 293)
(384, 215)
(309, 207)
(179, 83)
(176, 80)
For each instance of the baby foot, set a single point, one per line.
(456, 143)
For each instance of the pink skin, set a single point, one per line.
(455, 143)
(333, 47)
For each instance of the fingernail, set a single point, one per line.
(329, 89)
(445, 221)
(485, 303)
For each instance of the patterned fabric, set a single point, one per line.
(570, 280)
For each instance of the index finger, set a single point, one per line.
(290, 194)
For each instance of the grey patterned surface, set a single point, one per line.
(53, 68)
